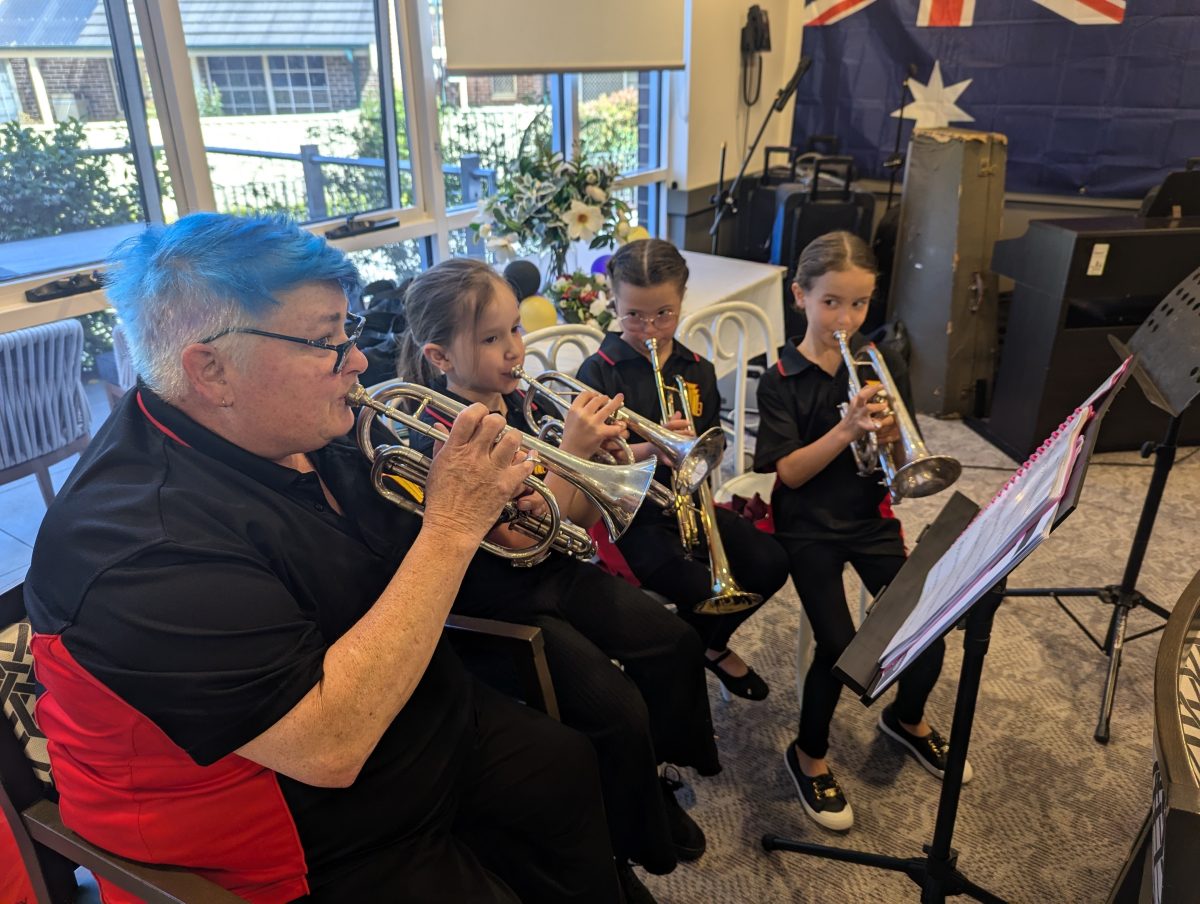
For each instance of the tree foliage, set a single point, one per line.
(50, 183)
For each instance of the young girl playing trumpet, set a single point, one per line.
(648, 279)
(826, 514)
(463, 341)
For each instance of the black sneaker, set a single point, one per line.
(821, 796)
(931, 751)
(632, 889)
(686, 837)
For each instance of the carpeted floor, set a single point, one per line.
(1051, 813)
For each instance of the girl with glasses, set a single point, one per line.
(648, 279)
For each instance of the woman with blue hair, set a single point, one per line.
(241, 642)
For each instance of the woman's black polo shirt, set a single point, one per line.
(797, 405)
(184, 593)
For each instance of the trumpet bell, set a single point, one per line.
(729, 602)
(925, 476)
(700, 457)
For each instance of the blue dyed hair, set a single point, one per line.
(173, 285)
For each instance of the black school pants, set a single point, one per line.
(651, 708)
(522, 822)
(817, 573)
(652, 549)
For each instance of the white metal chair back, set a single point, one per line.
(561, 347)
(725, 332)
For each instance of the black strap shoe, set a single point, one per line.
(686, 836)
(749, 686)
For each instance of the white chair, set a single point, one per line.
(546, 346)
(723, 332)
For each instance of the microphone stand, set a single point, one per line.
(724, 202)
(895, 161)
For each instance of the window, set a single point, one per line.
(300, 84)
(77, 172)
(10, 104)
(504, 87)
(297, 121)
(240, 84)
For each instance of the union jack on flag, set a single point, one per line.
(1101, 112)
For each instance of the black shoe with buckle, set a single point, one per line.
(931, 751)
(821, 795)
(686, 836)
(633, 891)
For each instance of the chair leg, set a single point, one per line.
(42, 473)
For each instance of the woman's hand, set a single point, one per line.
(586, 427)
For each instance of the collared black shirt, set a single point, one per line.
(203, 585)
(618, 367)
(797, 405)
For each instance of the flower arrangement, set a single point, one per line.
(582, 297)
(546, 202)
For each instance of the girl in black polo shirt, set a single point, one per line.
(463, 340)
(826, 514)
(648, 279)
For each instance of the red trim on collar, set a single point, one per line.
(606, 357)
(153, 420)
(779, 367)
(696, 356)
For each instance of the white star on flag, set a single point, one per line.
(934, 104)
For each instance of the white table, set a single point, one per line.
(713, 279)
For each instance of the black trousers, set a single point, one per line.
(649, 709)
(652, 549)
(817, 574)
(523, 822)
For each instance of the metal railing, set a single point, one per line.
(316, 196)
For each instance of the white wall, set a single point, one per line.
(706, 97)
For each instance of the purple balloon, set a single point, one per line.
(600, 264)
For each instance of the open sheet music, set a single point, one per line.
(1011, 526)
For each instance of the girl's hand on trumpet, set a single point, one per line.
(586, 427)
(864, 415)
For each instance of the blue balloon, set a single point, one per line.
(600, 264)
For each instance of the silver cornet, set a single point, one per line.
(617, 491)
(692, 458)
(909, 469)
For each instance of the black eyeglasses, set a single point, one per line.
(354, 328)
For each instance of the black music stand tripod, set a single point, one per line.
(1167, 347)
(937, 872)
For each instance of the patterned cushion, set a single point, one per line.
(18, 693)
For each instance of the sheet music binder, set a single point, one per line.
(859, 666)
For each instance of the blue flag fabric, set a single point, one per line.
(1101, 110)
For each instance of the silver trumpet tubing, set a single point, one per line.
(617, 491)
(908, 468)
(692, 458)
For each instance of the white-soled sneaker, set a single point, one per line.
(931, 751)
(821, 796)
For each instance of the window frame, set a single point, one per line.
(168, 67)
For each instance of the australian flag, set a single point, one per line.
(1096, 99)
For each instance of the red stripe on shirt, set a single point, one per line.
(779, 367)
(156, 422)
(606, 357)
(440, 418)
(127, 787)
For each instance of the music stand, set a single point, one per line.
(1167, 368)
(937, 872)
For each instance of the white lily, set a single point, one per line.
(597, 194)
(599, 306)
(583, 221)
